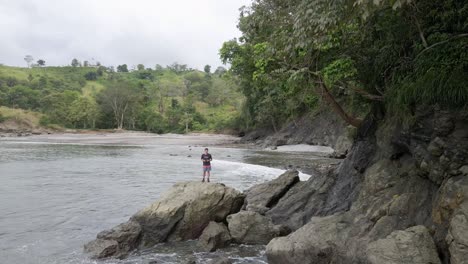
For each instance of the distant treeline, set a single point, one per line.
(160, 99)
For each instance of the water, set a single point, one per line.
(57, 193)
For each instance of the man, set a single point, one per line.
(206, 158)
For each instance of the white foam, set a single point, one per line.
(304, 148)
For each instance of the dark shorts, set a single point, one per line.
(206, 168)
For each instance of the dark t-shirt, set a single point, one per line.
(206, 159)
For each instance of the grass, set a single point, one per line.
(92, 88)
(20, 116)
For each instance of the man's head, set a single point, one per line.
(206, 150)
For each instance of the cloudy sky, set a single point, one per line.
(117, 31)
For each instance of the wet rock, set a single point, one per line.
(221, 260)
(215, 235)
(410, 246)
(101, 248)
(191, 260)
(186, 210)
(263, 196)
(248, 227)
(118, 241)
(181, 214)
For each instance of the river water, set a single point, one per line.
(57, 192)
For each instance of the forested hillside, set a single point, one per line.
(351, 55)
(161, 99)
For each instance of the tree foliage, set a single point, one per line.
(175, 99)
(348, 53)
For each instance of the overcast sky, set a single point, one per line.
(117, 31)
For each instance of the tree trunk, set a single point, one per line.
(337, 107)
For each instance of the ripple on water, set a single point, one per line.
(56, 197)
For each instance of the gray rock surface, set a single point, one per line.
(101, 248)
(186, 210)
(118, 241)
(181, 214)
(247, 227)
(413, 176)
(261, 197)
(215, 235)
(410, 246)
(221, 260)
(454, 207)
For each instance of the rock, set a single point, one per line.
(311, 244)
(221, 260)
(184, 211)
(457, 239)
(119, 241)
(411, 246)
(464, 170)
(190, 260)
(453, 207)
(303, 200)
(101, 248)
(263, 196)
(436, 147)
(215, 235)
(342, 146)
(248, 227)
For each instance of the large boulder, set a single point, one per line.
(410, 246)
(247, 227)
(181, 214)
(389, 200)
(215, 235)
(117, 242)
(457, 239)
(318, 242)
(456, 205)
(304, 200)
(263, 196)
(186, 210)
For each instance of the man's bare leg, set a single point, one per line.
(204, 173)
(208, 180)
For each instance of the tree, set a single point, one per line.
(84, 110)
(75, 63)
(207, 69)
(178, 68)
(140, 67)
(349, 53)
(85, 63)
(41, 63)
(29, 59)
(220, 70)
(91, 76)
(119, 97)
(122, 68)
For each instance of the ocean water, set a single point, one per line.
(58, 192)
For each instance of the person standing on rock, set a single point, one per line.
(206, 158)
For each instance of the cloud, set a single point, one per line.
(117, 31)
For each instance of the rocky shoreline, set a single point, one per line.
(399, 196)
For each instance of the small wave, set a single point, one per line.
(266, 173)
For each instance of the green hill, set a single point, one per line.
(171, 99)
